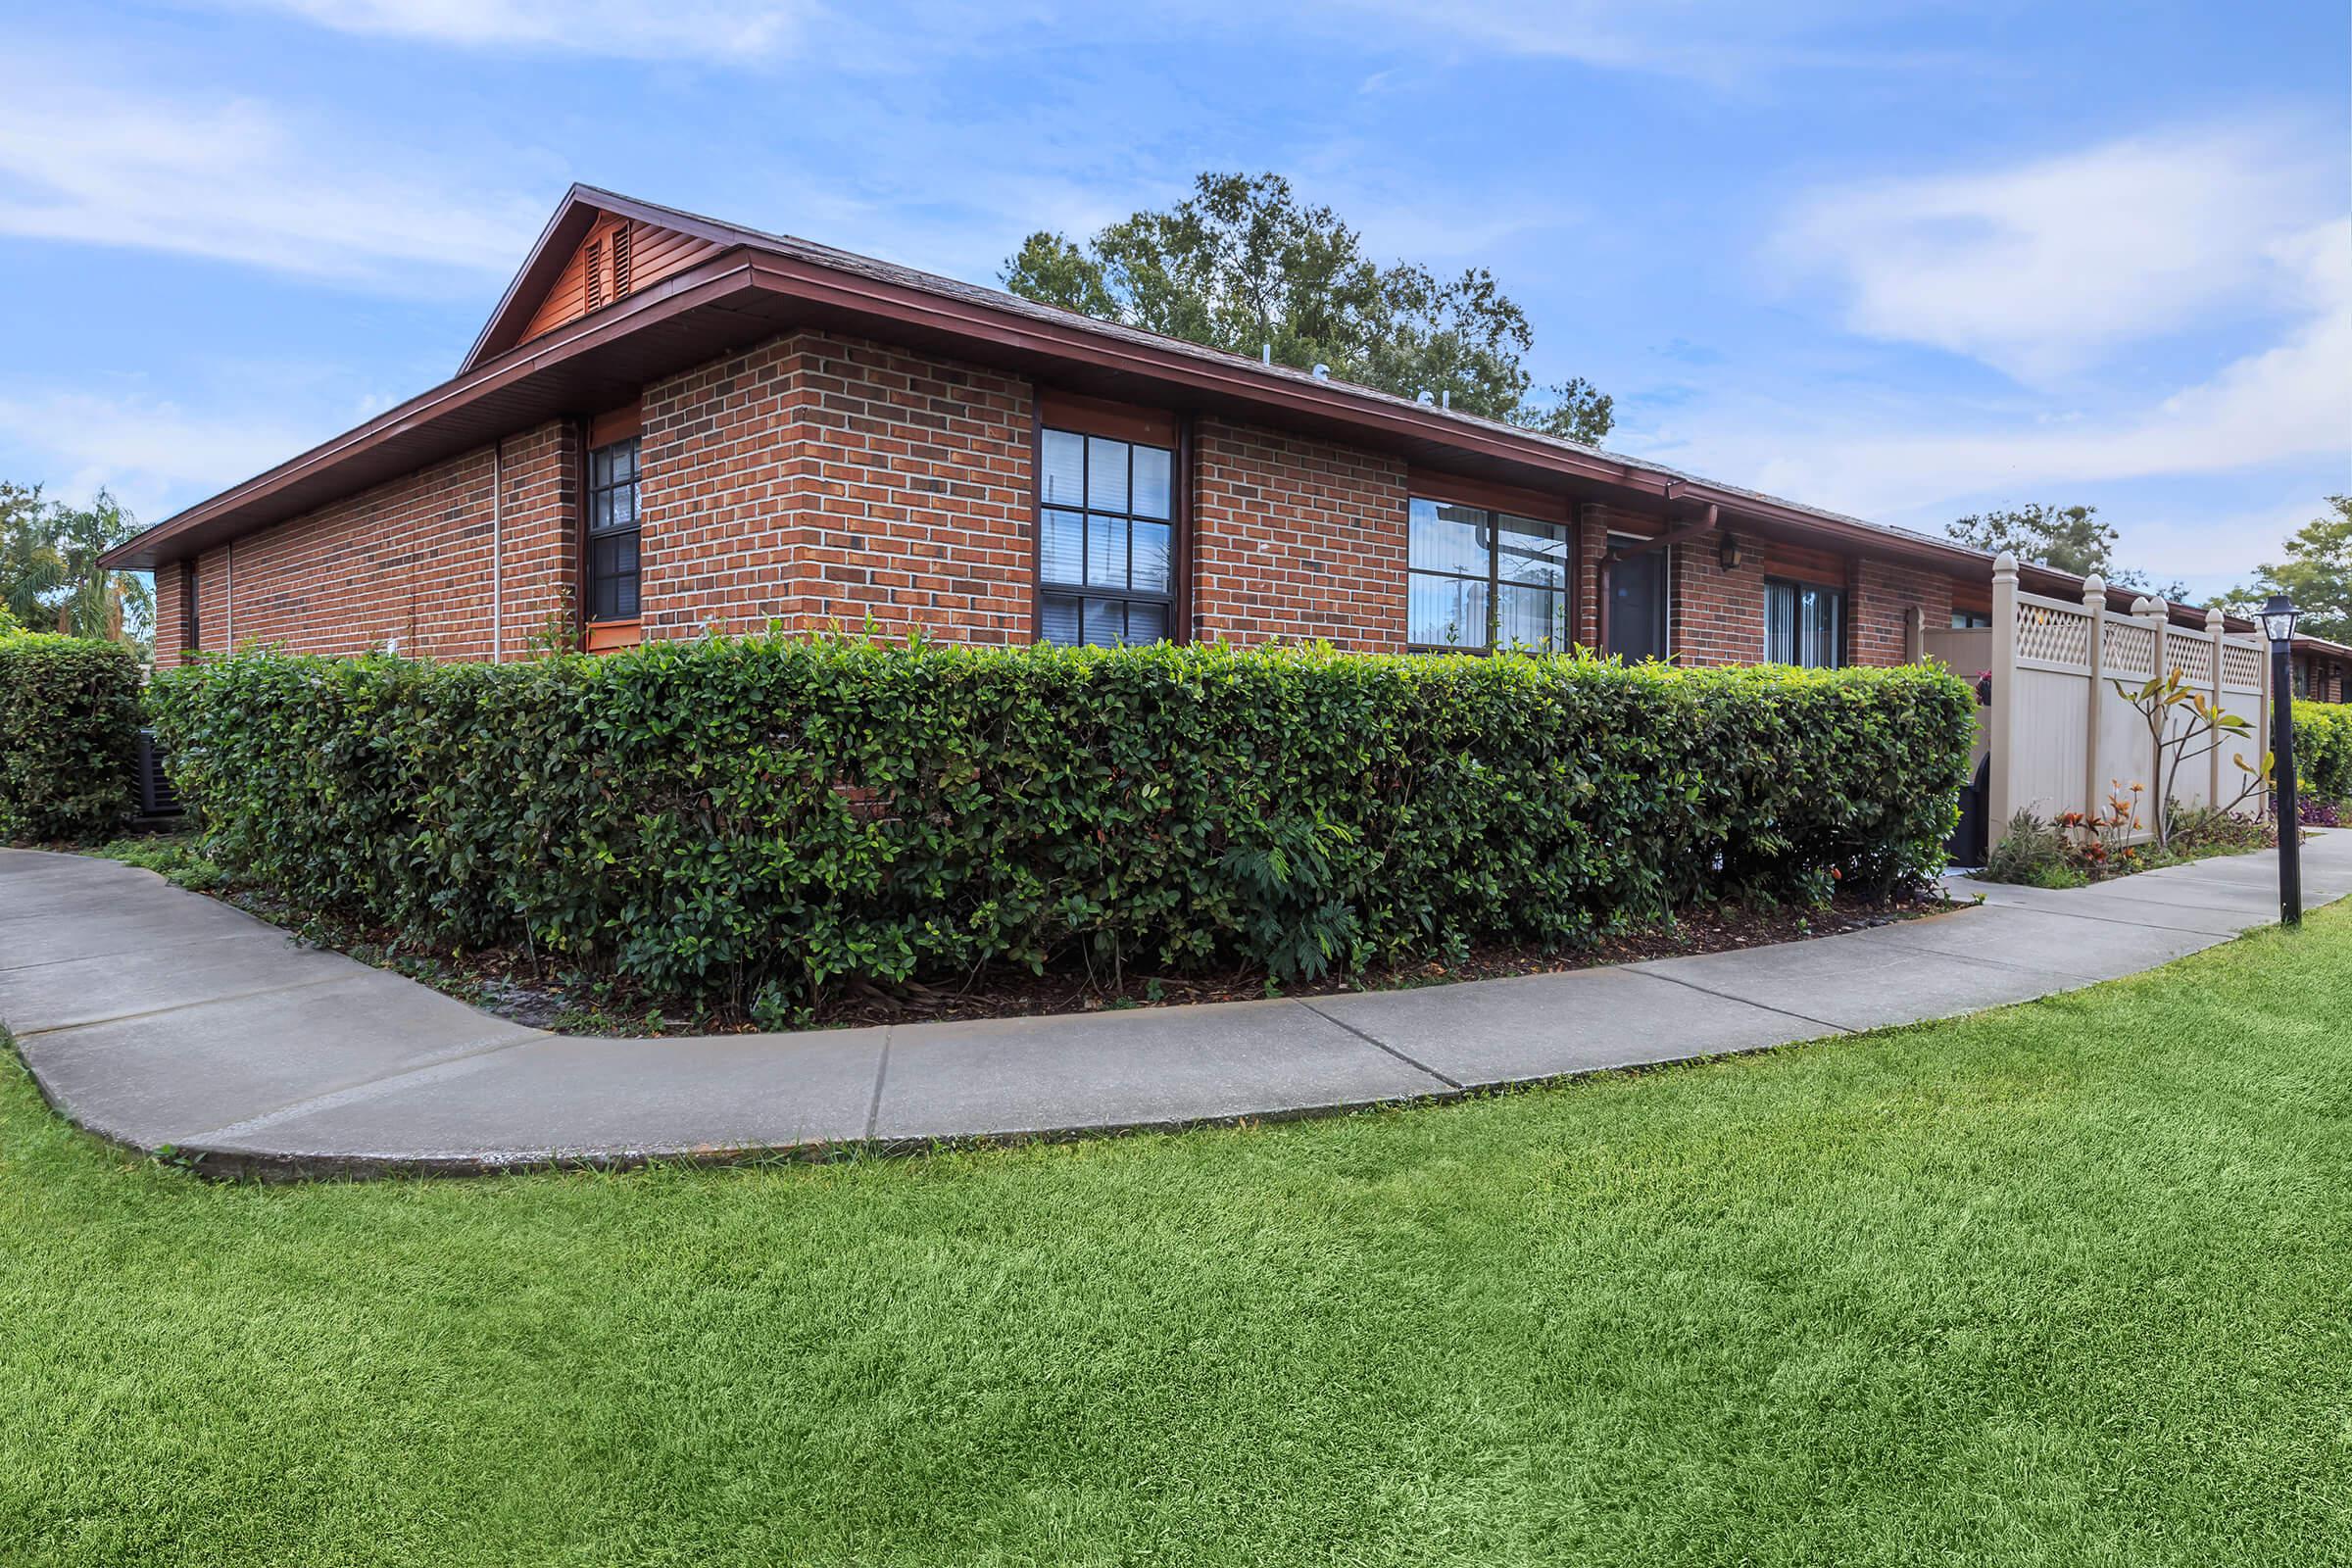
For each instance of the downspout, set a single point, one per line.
(498, 558)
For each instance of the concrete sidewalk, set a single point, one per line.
(164, 1019)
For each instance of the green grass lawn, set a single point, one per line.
(2065, 1284)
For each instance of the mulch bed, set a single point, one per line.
(508, 981)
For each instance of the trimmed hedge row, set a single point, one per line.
(754, 820)
(68, 731)
(2323, 750)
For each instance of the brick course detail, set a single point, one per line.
(1295, 539)
(819, 480)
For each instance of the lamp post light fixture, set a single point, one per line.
(2278, 624)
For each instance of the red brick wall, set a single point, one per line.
(408, 559)
(816, 479)
(1718, 612)
(1882, 596)
(169, 617)
(1295, 539)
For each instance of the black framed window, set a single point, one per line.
(191, 630)
(1804, 623)
(1106, 539)
(1971, 619)
(612, 532)
(1485, 579)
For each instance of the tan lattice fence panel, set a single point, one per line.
(2131, 650)
(2241, 666)
(2052, 634)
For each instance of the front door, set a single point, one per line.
(1637, 607)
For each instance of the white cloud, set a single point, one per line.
(2204, 479)
(155, 455)
(235, 181)
(1724, 43)
(2040, 268)
(723, 31)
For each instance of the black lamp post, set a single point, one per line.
(2278, 624)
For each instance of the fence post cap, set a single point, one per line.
(2215, 621)
(2139, 606)
(2004, 565)
(2094, 586)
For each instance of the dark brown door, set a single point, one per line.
(1637, 607)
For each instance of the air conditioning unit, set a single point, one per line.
(157, 798)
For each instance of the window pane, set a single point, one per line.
(625, 505)
(1146, 624)
(1531, 551)
(600, 467)
(1154, 544)
(1058, 621)
(1780, 623)
(1446, 612)
(1106, 552)
(1821, 628)
(1448, 538)
(612, 578)
(624, 459)
(1062, 479)
(1106, 473)
(599, 510)
(1060, 547)
(1106, 622)
(1153, 465)
(1532, 617)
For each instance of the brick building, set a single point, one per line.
(672, 425)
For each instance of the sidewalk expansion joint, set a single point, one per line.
(183, 1006)
(460, 1061)
(873, 1107)
(1382, 1045)
(1745, 1001)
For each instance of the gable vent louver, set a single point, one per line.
(596, 273)
(621, 262)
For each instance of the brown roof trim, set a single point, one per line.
(573, 216)
(763, 282)
(717, 278)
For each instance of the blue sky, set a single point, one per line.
(1903, 261)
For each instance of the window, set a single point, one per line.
(1106, 539)
(612, 532)
(1971, 619)
(1485, 579)
(190, 628)
(1803, 624)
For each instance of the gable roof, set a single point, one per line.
(746, 285)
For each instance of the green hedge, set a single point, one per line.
(2323, 750)
(68, 731)
(754, 820)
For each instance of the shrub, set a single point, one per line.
(2323, 750)
(756, 819)
(2033, 852)
(69, 728)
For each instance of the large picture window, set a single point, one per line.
(1106, 539)
(612, 532)
(1804, 625)
(1485, 579)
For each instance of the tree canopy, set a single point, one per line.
(2069, 539)
(50, 578)
(2316, 574)
(1241, 264)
